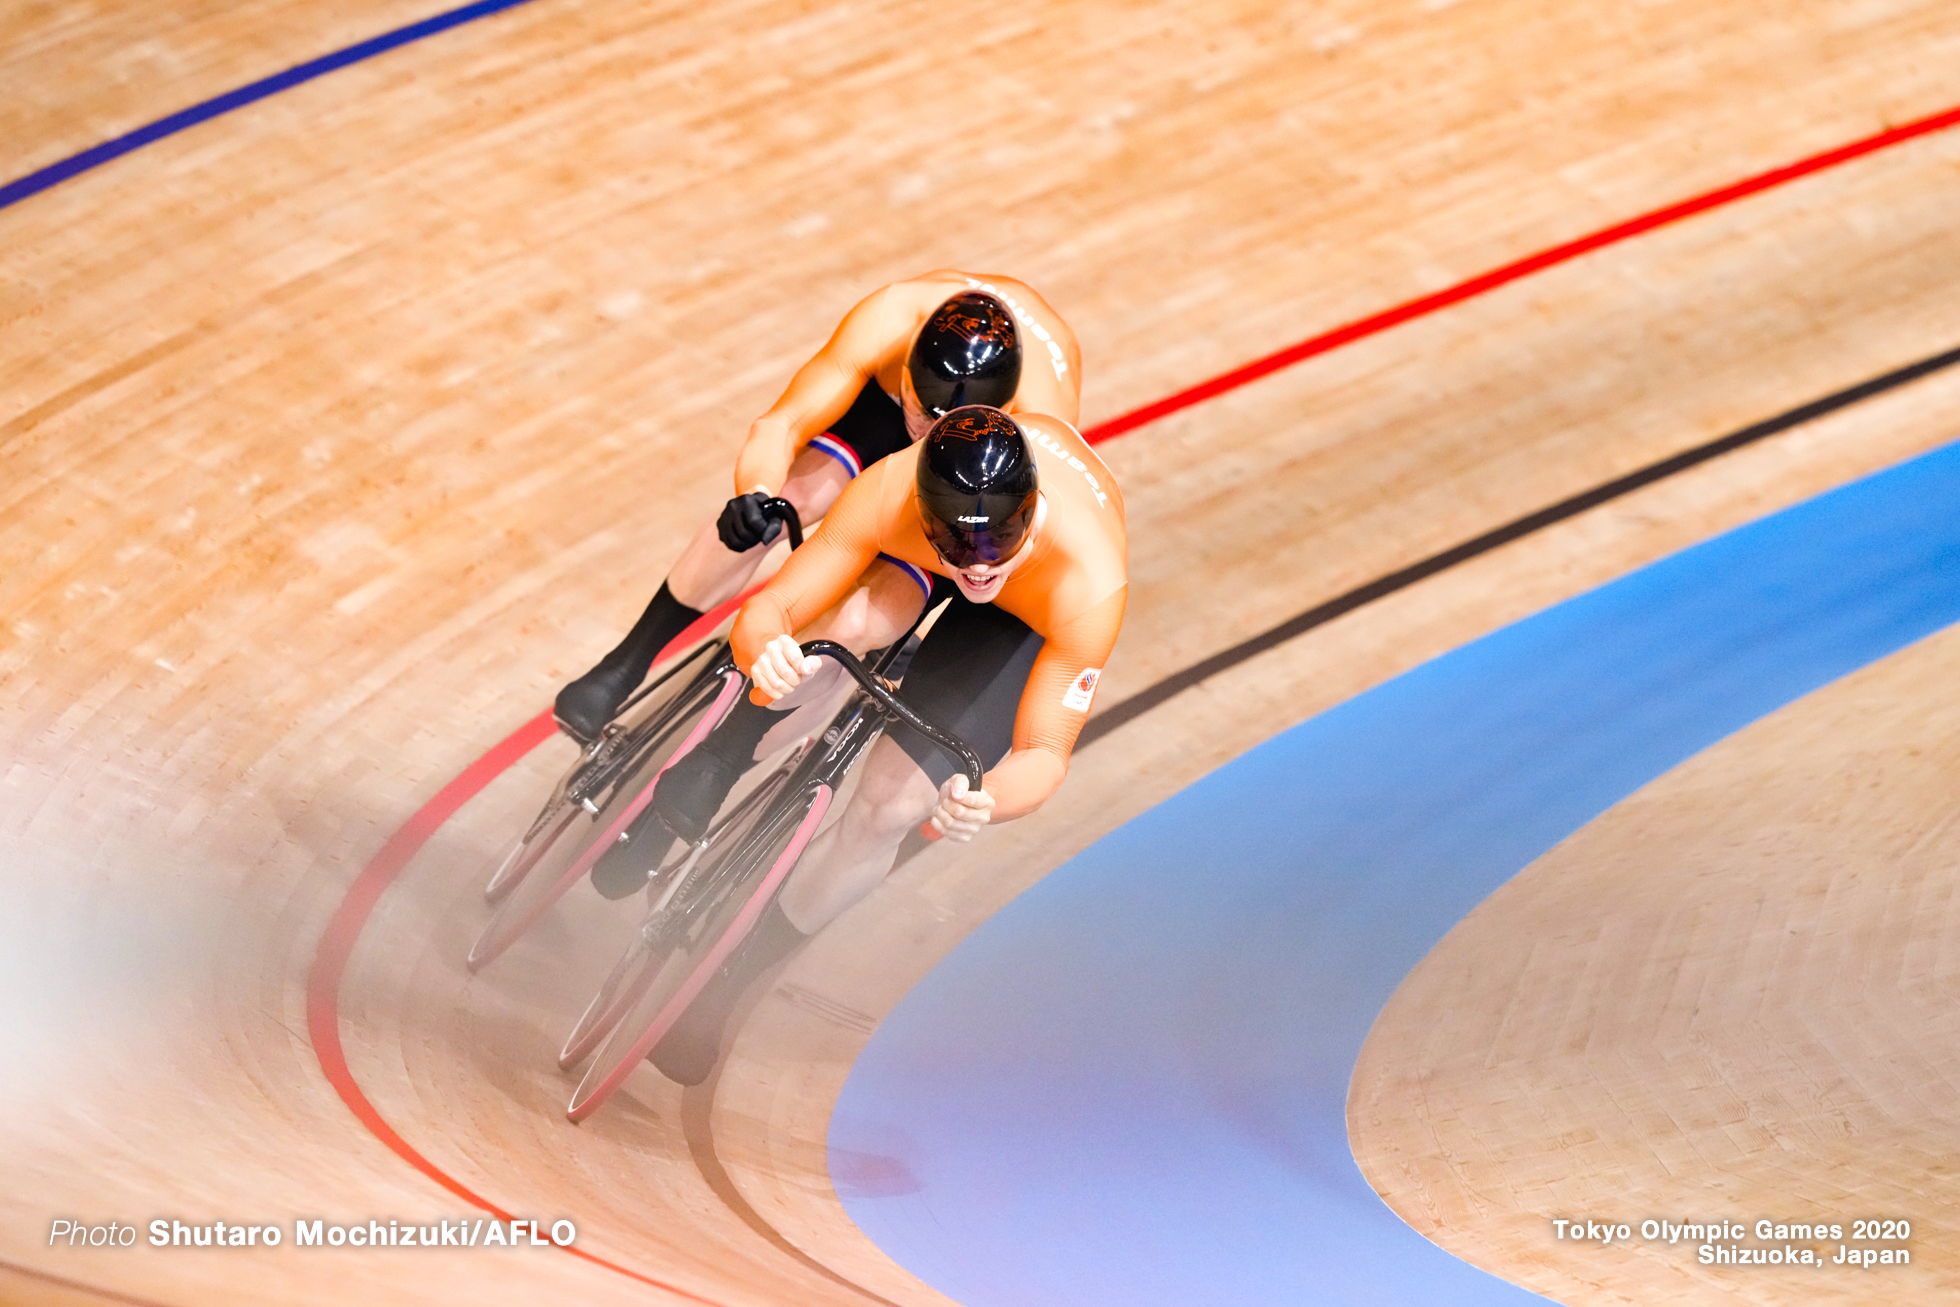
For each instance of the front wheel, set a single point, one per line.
(570, 856)
(528, 848)
(551, 822)
(714, 926)
(651, 946)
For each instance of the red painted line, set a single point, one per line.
(337, 944)
(351, 917)
(1377, 323)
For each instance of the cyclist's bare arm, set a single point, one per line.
(812, 579)
(819, 394)
(1053, 709)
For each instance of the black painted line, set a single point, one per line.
(95, 156)
(1178, 682)
(698, 1130)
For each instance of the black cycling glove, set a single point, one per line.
(744, 525)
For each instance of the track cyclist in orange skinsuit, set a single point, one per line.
(902, 357)
(1021, 528)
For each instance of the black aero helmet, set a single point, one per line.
(968, 352)
(976, 486)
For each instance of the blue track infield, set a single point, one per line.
(1129, 1087)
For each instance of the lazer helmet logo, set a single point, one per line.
(982, 519)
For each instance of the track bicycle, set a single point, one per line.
(595, 803)
(708, 896)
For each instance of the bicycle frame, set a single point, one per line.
(619, 751)
(618, 748)
(856, 726)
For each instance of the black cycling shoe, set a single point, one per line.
(585, 706)
(687, 1054)
(690, 792)
(630, 861)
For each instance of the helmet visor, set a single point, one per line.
(984, 540)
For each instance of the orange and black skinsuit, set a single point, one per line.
(1012, 677)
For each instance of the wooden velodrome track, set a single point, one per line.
(341, 429)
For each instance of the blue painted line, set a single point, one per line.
(1129, 1087)
(95, 156)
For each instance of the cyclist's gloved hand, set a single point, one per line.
(961, 812)
(781, 667)
(743, 524)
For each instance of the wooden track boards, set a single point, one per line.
(341, 430)
(1730, 997)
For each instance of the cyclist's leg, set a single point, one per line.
(967, 677)
(846, 862)
(883, 608)
(708, 573)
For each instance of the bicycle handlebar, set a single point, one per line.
(892, 704)
(785, 512)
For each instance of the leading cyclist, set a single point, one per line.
(899, 360)
(1021, 528)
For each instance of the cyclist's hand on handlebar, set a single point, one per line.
(781, 667)
(961, 812)
(743, 524)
